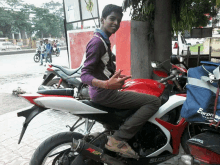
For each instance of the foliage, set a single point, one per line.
(44, 21)
(185, 13)
(195, 48)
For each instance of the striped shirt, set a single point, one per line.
(99, 64)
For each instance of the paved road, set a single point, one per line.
(20, 70)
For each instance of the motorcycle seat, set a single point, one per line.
(119, 112)
(67, 71)
(64, 92)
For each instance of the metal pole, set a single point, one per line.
(198, 57)
(65, 29)
(98, 13)
(80, 12)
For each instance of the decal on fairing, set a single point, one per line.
(94, 151)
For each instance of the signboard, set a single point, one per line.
(80, 10)
(201, 32)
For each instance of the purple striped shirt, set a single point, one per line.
(99, 64)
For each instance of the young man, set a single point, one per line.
(47, 51)
(58, 46)
(41, 50)
(99, 73)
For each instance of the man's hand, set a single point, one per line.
(117, 81)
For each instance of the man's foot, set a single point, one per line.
(121, 147)
(41, 64)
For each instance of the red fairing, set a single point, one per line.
(160, 73)
(31, 97)
(176, 132)
(147, 86)
(179, 68)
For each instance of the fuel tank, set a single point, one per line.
(147, 86)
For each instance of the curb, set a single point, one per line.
(24, 51)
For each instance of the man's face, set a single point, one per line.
(111, 23)
(46, 41)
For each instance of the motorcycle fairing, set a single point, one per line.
(29, 114)
(173, 102)
(147, 86)
(68, 104)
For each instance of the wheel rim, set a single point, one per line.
(36, 58)
(49, 160)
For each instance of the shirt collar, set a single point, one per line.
(103, 34)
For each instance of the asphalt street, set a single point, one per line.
(20, 70)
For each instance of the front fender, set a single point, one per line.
(29, 114)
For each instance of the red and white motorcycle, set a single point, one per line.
(158, 140)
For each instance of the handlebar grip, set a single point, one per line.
(167, 78)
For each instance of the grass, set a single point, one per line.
(195, 48)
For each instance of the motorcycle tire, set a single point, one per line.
(36, 58)
(53, 142)
(184, 139)
(54, 83)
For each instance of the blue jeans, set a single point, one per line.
(45, 56)
(41, 58)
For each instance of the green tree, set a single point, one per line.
(6, 21)
(164, 17)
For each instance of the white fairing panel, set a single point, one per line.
(173, 102)
(67, 104)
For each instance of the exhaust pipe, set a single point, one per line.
(90, 151)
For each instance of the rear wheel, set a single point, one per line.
(36, 58)
(54, 83)
(51, 151)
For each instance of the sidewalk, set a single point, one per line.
(41, 127)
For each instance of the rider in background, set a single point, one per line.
(58, 46)
(48, 48)
(99, 72)
(41, 49)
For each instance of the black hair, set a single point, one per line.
(111, 8)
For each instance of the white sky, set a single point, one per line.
(101, 3)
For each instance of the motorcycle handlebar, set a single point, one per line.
(167, 78)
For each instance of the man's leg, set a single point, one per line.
(146, 106)
(45, 57)
(50, 55)
(41, 59)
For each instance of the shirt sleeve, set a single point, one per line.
(94, 51)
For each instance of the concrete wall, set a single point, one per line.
(140, 55)
(214, 42)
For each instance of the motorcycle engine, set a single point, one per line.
(149, 139)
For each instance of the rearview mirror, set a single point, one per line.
(155, 64)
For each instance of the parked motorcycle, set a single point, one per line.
(157, 141)
(62, 77)
(203, 146)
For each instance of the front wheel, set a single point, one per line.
(54, 83)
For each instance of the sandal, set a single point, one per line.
(121, 147)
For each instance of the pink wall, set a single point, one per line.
(77, 41)
(123, 48)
